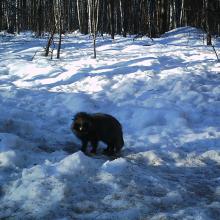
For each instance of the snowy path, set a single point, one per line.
(166, 96)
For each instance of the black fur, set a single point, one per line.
(98, 127)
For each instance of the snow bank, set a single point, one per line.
(166, 96)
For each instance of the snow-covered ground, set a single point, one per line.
(165, 93)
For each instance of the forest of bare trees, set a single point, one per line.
(141, 17)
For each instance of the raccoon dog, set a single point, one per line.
(98, 127)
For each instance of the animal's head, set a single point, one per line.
(82, 123)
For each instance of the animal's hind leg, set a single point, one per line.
(109, 150)
(119, 146)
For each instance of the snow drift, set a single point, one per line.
(166, 96)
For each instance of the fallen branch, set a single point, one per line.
(215, 52)
(36, 53)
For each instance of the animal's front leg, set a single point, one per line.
(94, 144)
(84, 145)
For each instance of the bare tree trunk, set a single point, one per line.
(50, 41)
(79, 14)
(93, 18)
(82, 16)
(90, 8)
(40, 17)
(59, 24)
(182, 14)
(112, 20)
(60, 39)
(1, 15)
(17, 16)
(122, 12)
(209, 36)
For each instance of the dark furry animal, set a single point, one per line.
(98, 127)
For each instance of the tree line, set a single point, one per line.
(151, 17)
(139, 17)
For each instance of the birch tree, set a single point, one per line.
(93, 21)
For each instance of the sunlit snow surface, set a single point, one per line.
(165, 93)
